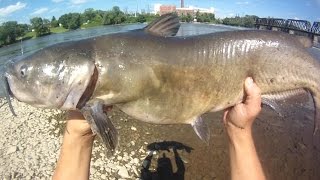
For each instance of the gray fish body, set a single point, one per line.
(164, 80)
(175, 80)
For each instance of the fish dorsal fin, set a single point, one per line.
(166, 25)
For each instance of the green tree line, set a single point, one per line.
(246, 21)
(12, 31)
(9, 31)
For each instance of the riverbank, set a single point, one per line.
(30, 146)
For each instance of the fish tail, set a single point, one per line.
(315, 92)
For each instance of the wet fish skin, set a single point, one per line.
(165, 80)
(186, 77)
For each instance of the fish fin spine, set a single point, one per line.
(201, 129)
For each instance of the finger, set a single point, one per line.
(253, 94)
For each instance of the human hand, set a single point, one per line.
(77, 125)
(239, 118)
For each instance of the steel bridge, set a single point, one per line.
(292, 26)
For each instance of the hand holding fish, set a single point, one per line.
(76, 149)
(238, 120)
(77, 125)
(240, 117)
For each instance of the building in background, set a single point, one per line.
(164, 9)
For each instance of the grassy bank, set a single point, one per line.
(32, 35)
(58, 30)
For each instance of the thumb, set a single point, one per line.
(253, 94)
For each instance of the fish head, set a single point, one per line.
(51, 78)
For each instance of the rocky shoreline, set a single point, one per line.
(30, 146)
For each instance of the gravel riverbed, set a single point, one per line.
(30, 143)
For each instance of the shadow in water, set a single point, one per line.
(163, 169)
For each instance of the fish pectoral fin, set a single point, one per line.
(101, 125)
(166, 25)
(202, 130)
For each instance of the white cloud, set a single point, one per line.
(54, 10)
(296, 18)
(76, 2)
(12, 8)
(40, 11)
(57, 1)
(242, 2)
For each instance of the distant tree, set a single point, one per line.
(183, 18)
(97, 19)
(141, 18)
(70, 21)
(10, 31)
(246, 21)
(150, 17)
(63, 20)
(40, 26)
(74, 21)
(189, 18)
(130, 18)
(54, 22)
(119, 16)
(25, 28)
(115, 16)
(198, 15)
(2, 36)
(46, 22)
(89, 14)
(108, 18)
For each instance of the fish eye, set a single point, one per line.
(23, 71)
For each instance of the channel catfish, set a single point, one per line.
(158, 78)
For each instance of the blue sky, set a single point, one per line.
(23, 10)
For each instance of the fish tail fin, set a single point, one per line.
(316, 100)
(315, 92)
(101, 125)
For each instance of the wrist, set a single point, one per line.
(238, 136)
(78, 139)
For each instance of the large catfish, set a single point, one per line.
(161, 79)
